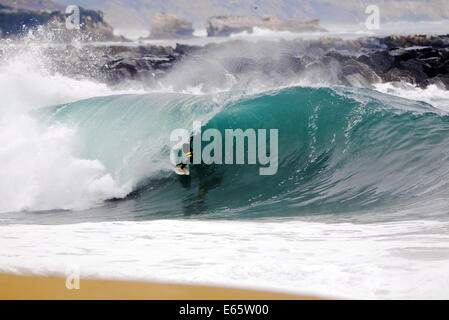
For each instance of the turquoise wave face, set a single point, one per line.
(340, 150)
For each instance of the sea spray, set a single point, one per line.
(39, 168)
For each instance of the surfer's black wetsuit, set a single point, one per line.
(187, 148)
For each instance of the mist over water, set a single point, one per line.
(38, 167)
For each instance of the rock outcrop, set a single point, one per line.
(166, 25)
(92, 23)
(142, 63)
(239, 64)
(225, 25)
(355, 63)
(31, 5)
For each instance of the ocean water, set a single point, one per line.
(357, 208)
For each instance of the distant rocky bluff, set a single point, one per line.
(164, 25)
(15, 19)
(225, 25)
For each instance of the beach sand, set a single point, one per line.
(13, 287)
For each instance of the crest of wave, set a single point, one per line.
(39, 165)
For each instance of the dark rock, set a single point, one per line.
(353, 66)
(357, 74)
(433, 65)
(364, 59)
(381, 61)
(399, 75)
(358, 64)
(338, 56)
(155, 50)
(187, 49)
(420, 70)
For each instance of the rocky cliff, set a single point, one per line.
(18, 19)
(166, 25)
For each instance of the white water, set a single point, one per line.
(38, 168)
(433, 95)
(395, 260)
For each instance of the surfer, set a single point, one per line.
(181, 168)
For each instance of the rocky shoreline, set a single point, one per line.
(419, 60)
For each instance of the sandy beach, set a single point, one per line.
(13, 287)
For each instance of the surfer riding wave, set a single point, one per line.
(182, 168)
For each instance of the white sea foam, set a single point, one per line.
(267, 34)
(396, 260)
(433, 95)
(38, 166)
